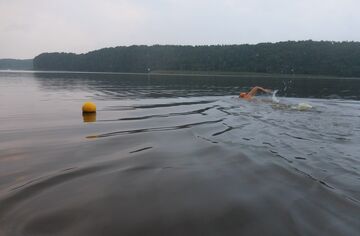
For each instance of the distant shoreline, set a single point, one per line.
(191, 73)
(322, 58)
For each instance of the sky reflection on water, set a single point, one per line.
(177, 156)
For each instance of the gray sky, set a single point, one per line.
(30, 27)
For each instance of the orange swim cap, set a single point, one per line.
(242, 95)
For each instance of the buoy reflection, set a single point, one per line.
(89, 117)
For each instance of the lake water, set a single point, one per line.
(178, 155)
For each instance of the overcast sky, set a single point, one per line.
(30, 27)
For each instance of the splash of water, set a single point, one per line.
(274, 98)
(303, 107)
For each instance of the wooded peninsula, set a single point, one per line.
(291, 57)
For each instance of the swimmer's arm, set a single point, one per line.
(254, 90)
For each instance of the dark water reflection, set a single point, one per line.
(140, 85)
(176, 155)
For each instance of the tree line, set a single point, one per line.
(291, 57)
(14, 64)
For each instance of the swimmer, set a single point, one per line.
(253, 91)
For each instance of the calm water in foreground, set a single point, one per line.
(177, 155)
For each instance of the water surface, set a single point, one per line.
(178, 155)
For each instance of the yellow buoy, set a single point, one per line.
(89, 107)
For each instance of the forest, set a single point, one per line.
(15, 64)
(291, 57)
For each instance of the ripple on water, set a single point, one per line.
(202, 166)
